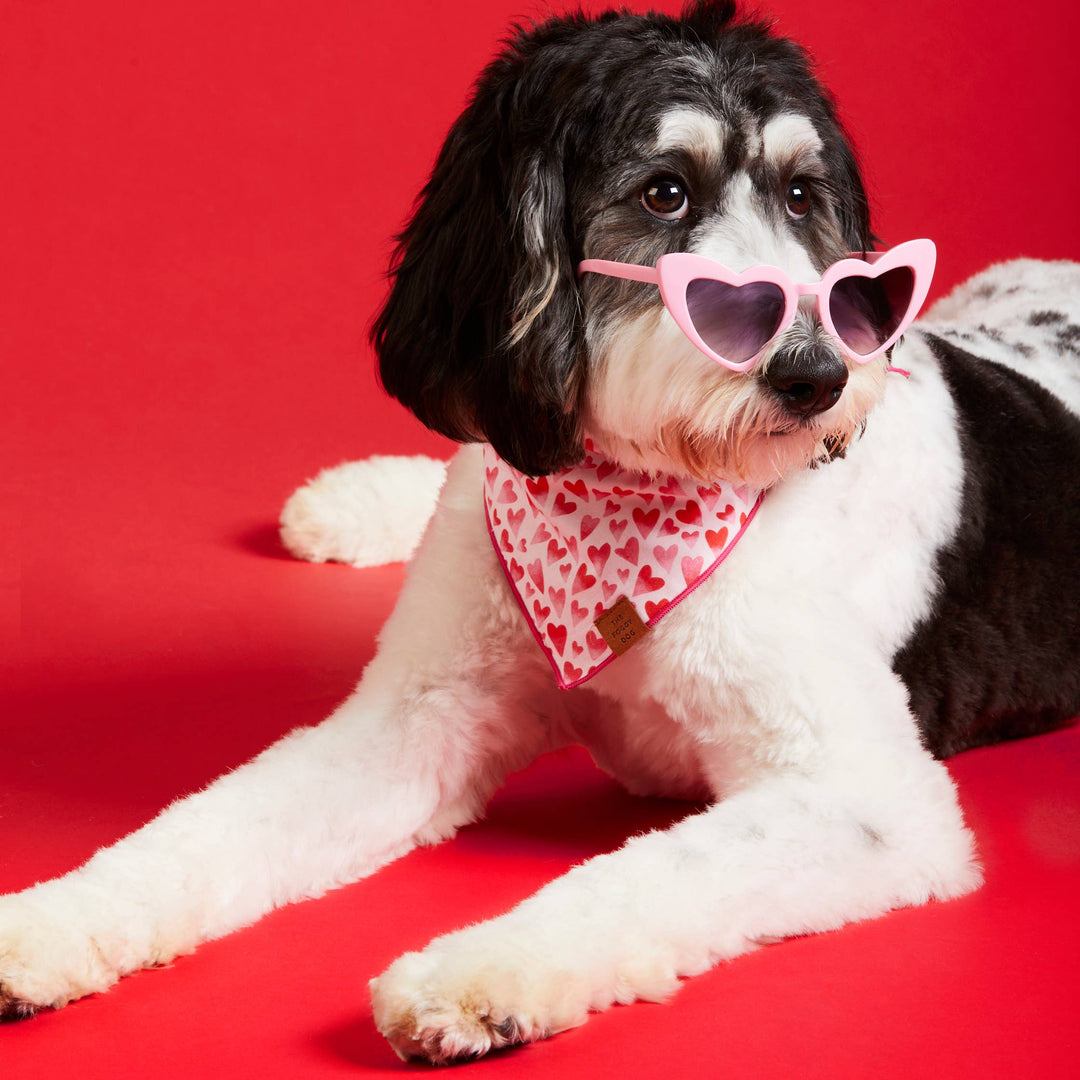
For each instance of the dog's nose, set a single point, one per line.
(808, 379)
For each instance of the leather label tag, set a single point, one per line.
(621, 626)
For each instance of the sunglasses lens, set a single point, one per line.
(735, 321)
(866, 312)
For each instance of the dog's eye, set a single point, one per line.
(665, 198)
(798, 198)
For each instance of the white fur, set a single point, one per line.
(742, 238)
(682, 128)
(365, 513)
(994, 309)
(789, 136)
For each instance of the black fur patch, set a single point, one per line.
(1045, 318)
(999, 656)
(13, 1008)
(1067, 339)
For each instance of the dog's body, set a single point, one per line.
(906, 590)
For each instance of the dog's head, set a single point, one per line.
(624, 138)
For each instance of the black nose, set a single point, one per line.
(808, 379)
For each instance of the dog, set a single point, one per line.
(760, 562)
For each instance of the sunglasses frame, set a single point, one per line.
(674, 272)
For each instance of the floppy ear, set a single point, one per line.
(481, 336)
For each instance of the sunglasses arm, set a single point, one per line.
(865, 256)
(630, 271)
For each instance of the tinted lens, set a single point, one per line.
(865, 312)
(735, 321)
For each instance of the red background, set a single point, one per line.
(196, 209)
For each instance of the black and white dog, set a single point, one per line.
(903, 586)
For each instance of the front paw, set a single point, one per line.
(453, 1004)
(44, 961)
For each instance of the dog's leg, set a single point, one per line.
(869, 828)
(413, 754)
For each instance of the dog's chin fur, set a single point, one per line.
(654, 402)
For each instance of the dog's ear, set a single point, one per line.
(481, 336)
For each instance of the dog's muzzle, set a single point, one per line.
(808, 378)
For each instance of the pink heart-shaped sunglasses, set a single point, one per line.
(865, 301)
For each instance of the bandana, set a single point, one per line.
(597, 555)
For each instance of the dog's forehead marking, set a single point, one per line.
(742, 236)
(684, 128)
(788, 135)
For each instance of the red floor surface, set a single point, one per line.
(196, 207)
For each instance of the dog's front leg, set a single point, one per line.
(414, 753)
(792, 853)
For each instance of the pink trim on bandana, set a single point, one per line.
(573, 543)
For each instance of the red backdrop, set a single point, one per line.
(196, 212)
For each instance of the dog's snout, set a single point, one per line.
(808, 379)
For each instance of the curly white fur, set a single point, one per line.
(365, 513)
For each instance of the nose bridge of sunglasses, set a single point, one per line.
(809, 305)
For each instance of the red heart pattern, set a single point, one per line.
(573, 556)
(665, 556)
(597, 645)
(646, 520)
(536, 572)
(583, 580)
(691, 568)
(599, 556)
(563, 505)
(629, 551)
(716, 539)
(689, 514)
(647, 581)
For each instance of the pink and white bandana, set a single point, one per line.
(596, 554)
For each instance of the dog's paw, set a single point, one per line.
(13, 1007)
(365, 513)
(44, 962)
(444, 1006)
